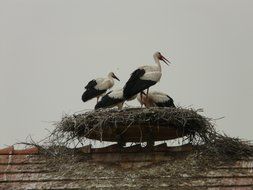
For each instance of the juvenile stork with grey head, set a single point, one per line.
(112, 99)
(97, 87)
(144, 77)
(155, 99)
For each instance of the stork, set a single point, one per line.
(97, 87)
(113, 98)
(155, 99)
(144, 77)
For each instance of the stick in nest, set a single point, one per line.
(200, 130)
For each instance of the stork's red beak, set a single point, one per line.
(165, 60)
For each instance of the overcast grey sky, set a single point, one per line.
(49, 49)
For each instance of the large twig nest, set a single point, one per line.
(136, 124)
(107, 124)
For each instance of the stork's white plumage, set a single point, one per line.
(144, 77)
(113, 98)
(155, 99)
(97, 87)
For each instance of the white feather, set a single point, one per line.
(116, 94)
(104, 84)
(153, 76)
(158, 97)
(153, 96)
(150, 68)
(152, 72)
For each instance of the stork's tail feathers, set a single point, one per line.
(86, 96)
(98, 105)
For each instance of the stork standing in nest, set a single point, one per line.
(97, 87)
(155, 99)
(144, 77)
(113, 98)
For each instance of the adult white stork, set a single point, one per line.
(144, 77)
(113, 98)
(155, 99)
(97, 87)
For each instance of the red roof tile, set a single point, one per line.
(7, 150)
(10, 150)
(25, 169)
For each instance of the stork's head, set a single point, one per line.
(159, 56)
(111, 74)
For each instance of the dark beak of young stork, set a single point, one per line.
(114, 76)
(143, 93)
(162, 58)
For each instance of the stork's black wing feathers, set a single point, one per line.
(137, 74)
(91, 84)
(135, 85)
(168, 103)
(107, 101)
(91, 93)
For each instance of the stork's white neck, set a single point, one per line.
(110, 77)
(158, 63)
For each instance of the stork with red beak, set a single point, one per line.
(97, 87)
(144, 77)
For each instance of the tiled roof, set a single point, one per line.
(24, 169)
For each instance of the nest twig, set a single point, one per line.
(188, 120)
(72, 130)
(211, 147)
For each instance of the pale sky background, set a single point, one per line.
(49, 50)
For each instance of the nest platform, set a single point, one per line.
(135, 124)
